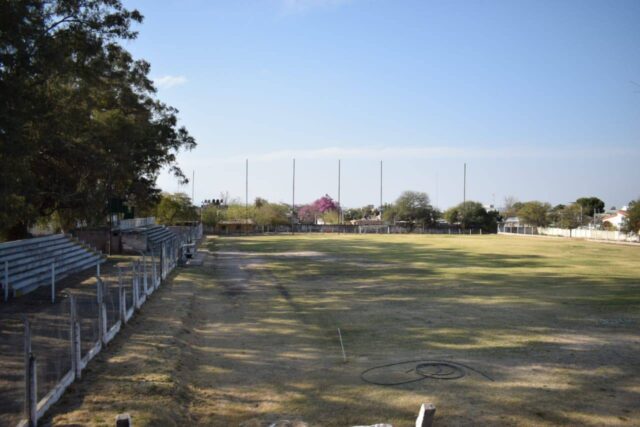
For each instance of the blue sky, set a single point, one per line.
(541, 99)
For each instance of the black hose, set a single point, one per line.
(425, 368)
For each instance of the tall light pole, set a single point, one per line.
(380, 189)
(293, 196)
(246, 192)
(464, 187)
(339, 205)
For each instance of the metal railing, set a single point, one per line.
(128, 224)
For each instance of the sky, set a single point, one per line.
(541, 99)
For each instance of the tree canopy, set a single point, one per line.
(632, 222)
(534, 213)
(414, 207)
(472, 215)
(174, 208)
(591, 205)
(79, 121)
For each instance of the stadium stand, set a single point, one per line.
(28, 264)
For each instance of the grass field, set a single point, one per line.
(251, 336)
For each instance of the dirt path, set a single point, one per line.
(200, 352)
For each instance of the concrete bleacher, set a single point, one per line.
(28, 264)
(158, 234)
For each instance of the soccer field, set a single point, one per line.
(532, 331)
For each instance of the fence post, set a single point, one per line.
(154, 274)
(134, 284)
(144, 269)
(74, 329)
(53, 282)
(6, 281)
(31, 385)
(122, 301)
(426, 414)
(162, 261)
(102, 311)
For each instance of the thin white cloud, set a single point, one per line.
(381, 153)
(166, 82)
(300, 6)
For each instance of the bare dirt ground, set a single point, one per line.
(251, 337)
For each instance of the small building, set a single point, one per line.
(235, 226)
(513, 221)
(614, 220)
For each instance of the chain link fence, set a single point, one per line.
(45, 347)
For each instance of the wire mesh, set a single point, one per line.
(51, 329)
(51, 345)
(111, 300)
(88, 315)
(11, 370)
(126, 279)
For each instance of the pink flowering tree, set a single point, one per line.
(308, 214)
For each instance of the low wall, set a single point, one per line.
(578, 233)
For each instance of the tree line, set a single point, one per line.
(81, 129)
(582, 212)
(411, 209)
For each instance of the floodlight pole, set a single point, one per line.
(380, 189)
(339, 205)
(246, 193)
(293, 197)
(464, 187)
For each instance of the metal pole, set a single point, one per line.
(193, 188)
(53, 282)
(339, 205)
(246, 194)
(6, 280)
(464, 187)
(293, 197)
(380, 189)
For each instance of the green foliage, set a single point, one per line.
(632, 222)
(239, 211)
(365, 212)
(472, 215)
(79, 122)
(511, 206)
(212, 215)
(591, 205)
(331, 217)
(174, 208)
(272, 214)
(534, 213)
(571, 216)
(412, 207)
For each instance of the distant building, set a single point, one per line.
(614, 220)
(513, 221)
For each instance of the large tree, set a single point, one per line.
(632, 222)
(414, 208)
(79, 121)
(534, 213)
(591, 205)
(175, 208)
(571, 216)
(472, 215)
